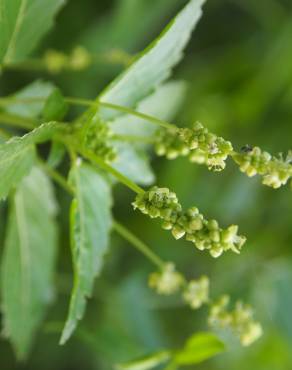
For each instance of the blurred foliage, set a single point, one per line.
(239, 71)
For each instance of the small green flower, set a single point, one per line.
(197, 292)
(204, 234)
(197, 143)
(167, 281)
(239, 320)
(97, 137)
(275, 171)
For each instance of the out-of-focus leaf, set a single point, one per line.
(163, 103)
(90, 222)
(56, 154)
(199, 348)
(146, 362)
(37, 89)
(22, 24)
(55, 107)
(17, 155)
(133, 163)
(154, 64)
(29, 259)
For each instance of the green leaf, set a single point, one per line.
(22, 24)
(37, 89)
(28, 260)
(55, 107)
(17, 155)
(199, 348)
(90, 222)
(154, 64)
(56, 155)
(133, 163)
(131, 160)
(164, 103)
(146, 362)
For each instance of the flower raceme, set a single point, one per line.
(195, 293)
(197, 143)
(239, 320)
(203, 147)
(275, 171)
(205, 234)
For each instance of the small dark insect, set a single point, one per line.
(246, 148)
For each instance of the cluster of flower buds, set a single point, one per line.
(239, 320)
(167, 281)
(197, 292)
(96, 139)
(56, 61)
(275, 171)
(197, 143)
(205, 234)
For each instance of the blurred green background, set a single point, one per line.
(238, 66)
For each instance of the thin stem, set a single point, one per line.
(27, 65)
(120, 108)
(138, 244)
(17, 121)
(143, 116)
(101, 163)
(4, 134)
(59, 179)
(90, 103)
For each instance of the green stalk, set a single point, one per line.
(17, 121)
(94, 159)
(138, 244)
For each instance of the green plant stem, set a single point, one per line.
(90, 103)
(138, 244)
(17, 121)
(120, 108)
(4, 134)
(59, 179)
(32, 64)
(94, 159)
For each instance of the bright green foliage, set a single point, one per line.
(90, 222)
(154, 65)
(199, 347)
(55, 107)
(22, 24)
(29, 260)
(18, 155)
(206, 235)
